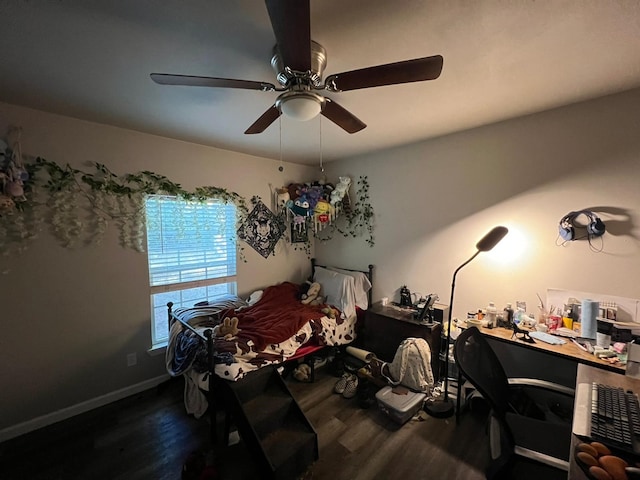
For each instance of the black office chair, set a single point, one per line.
(529, 418)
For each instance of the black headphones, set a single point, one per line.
(566, 228)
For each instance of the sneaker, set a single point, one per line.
(351, 388)
(342, 383)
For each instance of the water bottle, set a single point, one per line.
(492, 314)
(508, 315)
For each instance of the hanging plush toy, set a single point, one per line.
(338, 193)
(300, 210)
(282, 197)
(322, 215)
(313, 193)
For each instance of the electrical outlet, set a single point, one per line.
(132, 359)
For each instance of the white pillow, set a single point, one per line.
(338, 290)
(362, 286)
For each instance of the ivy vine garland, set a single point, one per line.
(357, 219)
(78, 205)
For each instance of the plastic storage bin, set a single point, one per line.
(397, 406)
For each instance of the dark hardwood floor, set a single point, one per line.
(149, 436)
(358, 443)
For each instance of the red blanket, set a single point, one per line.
(277, 316)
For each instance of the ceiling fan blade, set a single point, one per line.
(416, 70)
(290, 20)
(192, 81)
(342, 117)
(266, 119)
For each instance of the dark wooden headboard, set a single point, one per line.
(368, 273)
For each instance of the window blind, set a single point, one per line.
(191, 249)
(190, 243)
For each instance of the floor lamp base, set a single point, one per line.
(440, 408)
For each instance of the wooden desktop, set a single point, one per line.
(568, 350)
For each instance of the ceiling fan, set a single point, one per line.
(299, 63)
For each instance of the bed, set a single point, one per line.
(274, 328)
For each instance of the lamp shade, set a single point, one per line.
(302, 106)
(491, 239)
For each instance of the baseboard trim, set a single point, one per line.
(68, 412)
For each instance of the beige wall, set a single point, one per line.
(70, 317)
(434, 200)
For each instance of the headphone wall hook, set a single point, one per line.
(567, 226)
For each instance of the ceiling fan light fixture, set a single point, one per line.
(301, 106)
(299, 64)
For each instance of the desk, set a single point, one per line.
(555, 363)
(568, 350)
(587, 374)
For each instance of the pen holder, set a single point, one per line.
(603, 333)
(542, 316)
(554, 322)
(603, 340)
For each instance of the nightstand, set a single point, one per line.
(386, 326)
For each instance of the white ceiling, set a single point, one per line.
(91, 59)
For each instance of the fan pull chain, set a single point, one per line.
(320, 128)
(281, 167)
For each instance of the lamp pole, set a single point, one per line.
(444, 408)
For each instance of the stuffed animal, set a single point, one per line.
(312, 297)
(227, 329)
(323, 213)
(302, 373)
(313, 194)
(6, 204)
(342, 188)
(330, 312)
(299, 208)
(303, 289)
(282, 197)
(294, 190)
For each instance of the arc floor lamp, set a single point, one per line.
(443, 408)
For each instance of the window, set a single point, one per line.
(191, 248)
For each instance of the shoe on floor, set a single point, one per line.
(351, 388)
(342, 383)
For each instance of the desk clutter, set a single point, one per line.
(590, 325)
(423, 308)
